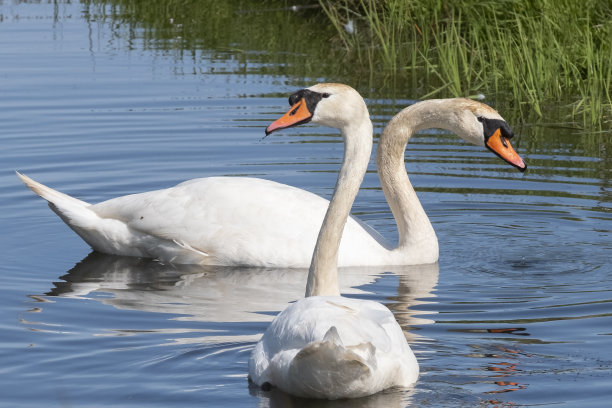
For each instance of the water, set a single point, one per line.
(97, 113)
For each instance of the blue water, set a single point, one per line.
(96, 116)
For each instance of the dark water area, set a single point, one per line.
(97, 102)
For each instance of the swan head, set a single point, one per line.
(334, 105)
(483, 126)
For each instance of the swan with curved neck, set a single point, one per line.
(256, 222)
(328, 346)
(473, 121)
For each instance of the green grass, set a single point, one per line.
(537, 54)
(262, 36)
(548, 60)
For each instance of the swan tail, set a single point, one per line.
(49, 194)
(110, 235)
(330, 370)
(72, 211)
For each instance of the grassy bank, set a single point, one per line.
(534, 53)
(545, 60)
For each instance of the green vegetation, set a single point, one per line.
(534, 54)
(538, 61)
(262, 37)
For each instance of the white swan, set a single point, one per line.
(328, 346)
(325, 345)
(255, 222)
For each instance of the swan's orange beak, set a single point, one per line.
(501, 146)
(297, 115)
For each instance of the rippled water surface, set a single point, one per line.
(517, 312)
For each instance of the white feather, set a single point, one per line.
(333, 347)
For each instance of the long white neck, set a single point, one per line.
(323, 273)
(414, 229)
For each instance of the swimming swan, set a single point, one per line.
(325, 345)
(244, 221)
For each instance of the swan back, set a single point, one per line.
(334, 347)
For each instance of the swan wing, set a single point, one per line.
(103, 234)
(215, 220)
(229, 220)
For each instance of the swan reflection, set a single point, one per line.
(391, 398)
(229, 294)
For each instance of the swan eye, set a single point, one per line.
(325, 95)
(492, 126)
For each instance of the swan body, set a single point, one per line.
(253, 222)
(213, 221)
(328, 346)
(334, 347)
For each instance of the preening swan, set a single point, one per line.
(256, 222)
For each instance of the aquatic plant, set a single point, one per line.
(549, 60)
(537, 53)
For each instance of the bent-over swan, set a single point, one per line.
(256, 222)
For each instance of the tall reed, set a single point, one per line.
(537, 53)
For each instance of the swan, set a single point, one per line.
(241, 221)
(325, 345)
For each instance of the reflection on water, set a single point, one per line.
(392, 398)
(226, 294)
(214, 297)
(238, 37)
(503, 363)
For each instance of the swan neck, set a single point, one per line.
(414, 228)
(323, 273)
